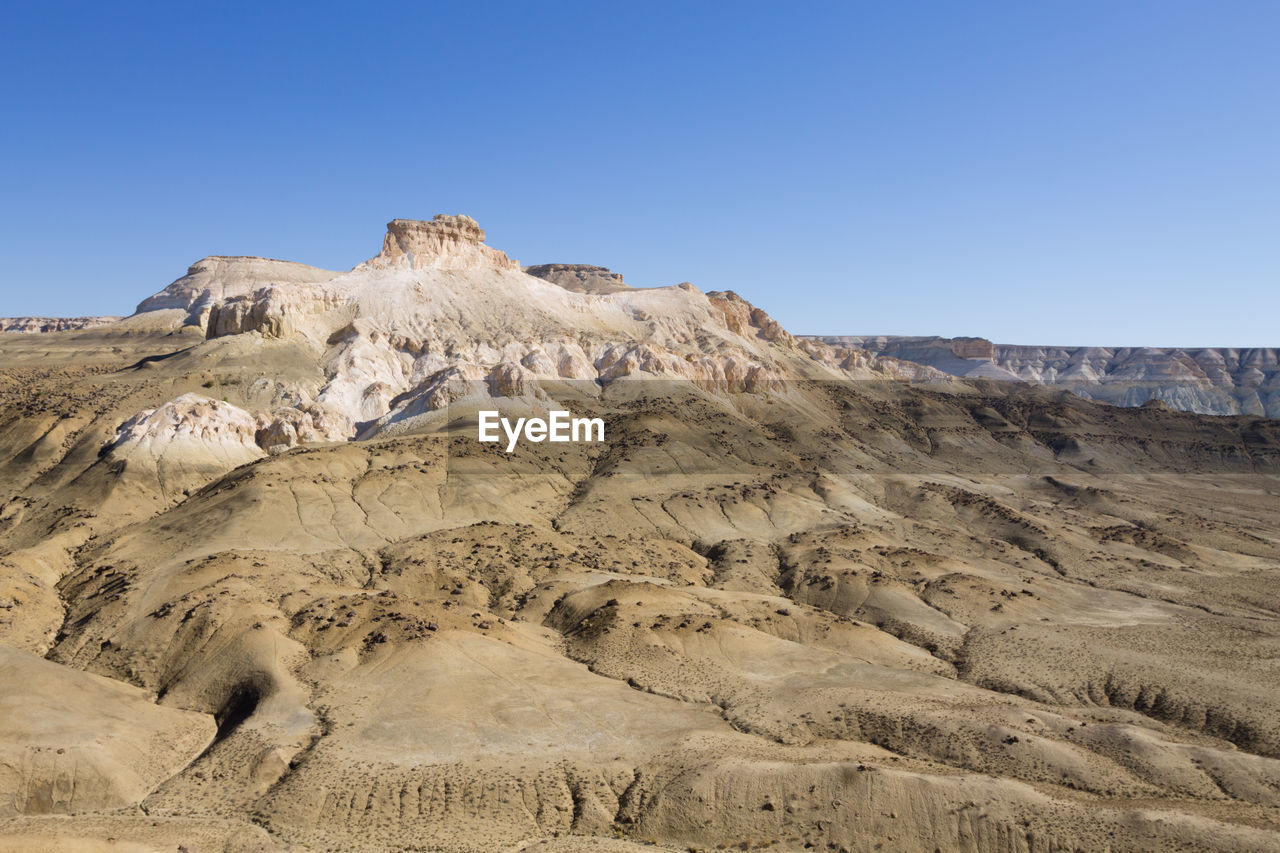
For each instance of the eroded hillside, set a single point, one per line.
(831, 604)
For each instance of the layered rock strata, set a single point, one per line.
(1205, 380)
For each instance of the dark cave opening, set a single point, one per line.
(239, 707)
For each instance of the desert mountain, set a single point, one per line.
(1208, 380)
(438, 314)
(51, 324)
(264, 590)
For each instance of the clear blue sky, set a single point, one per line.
(1078, 171)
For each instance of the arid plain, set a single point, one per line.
(262, 589)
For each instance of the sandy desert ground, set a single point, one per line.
(843, 609)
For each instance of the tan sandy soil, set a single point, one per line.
(831, 615)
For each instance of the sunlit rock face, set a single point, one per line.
(52, 324)
(438, 312)
(1211, 380)
(184, 443)
(214, 280)
(583, 278)
(445, 242)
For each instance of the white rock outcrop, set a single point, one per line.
(445, 242)
(438, 315)
(192, 432)
(306, 423)
(216, 279)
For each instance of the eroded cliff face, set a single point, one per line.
(52, 324)
(1209, 380)
(211, 281)
(583, 278)
(439, 316)
(445, 242)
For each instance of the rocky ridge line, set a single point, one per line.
(438, 316)
(1204, 380)
(52, 324)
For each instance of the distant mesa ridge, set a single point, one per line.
(437, 300)
(1206, 380)
(52, 324)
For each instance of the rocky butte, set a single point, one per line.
(438, 315)
(583, 278)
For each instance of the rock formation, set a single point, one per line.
(1209, 380)
(581, 278)
(438, 306)
(185, 442)
(216, 279)
(445, 243)
(52, 324)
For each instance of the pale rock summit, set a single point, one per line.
(438, 316)
(446, 243)
(581, 278)
(190, 433)
(216, 279)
